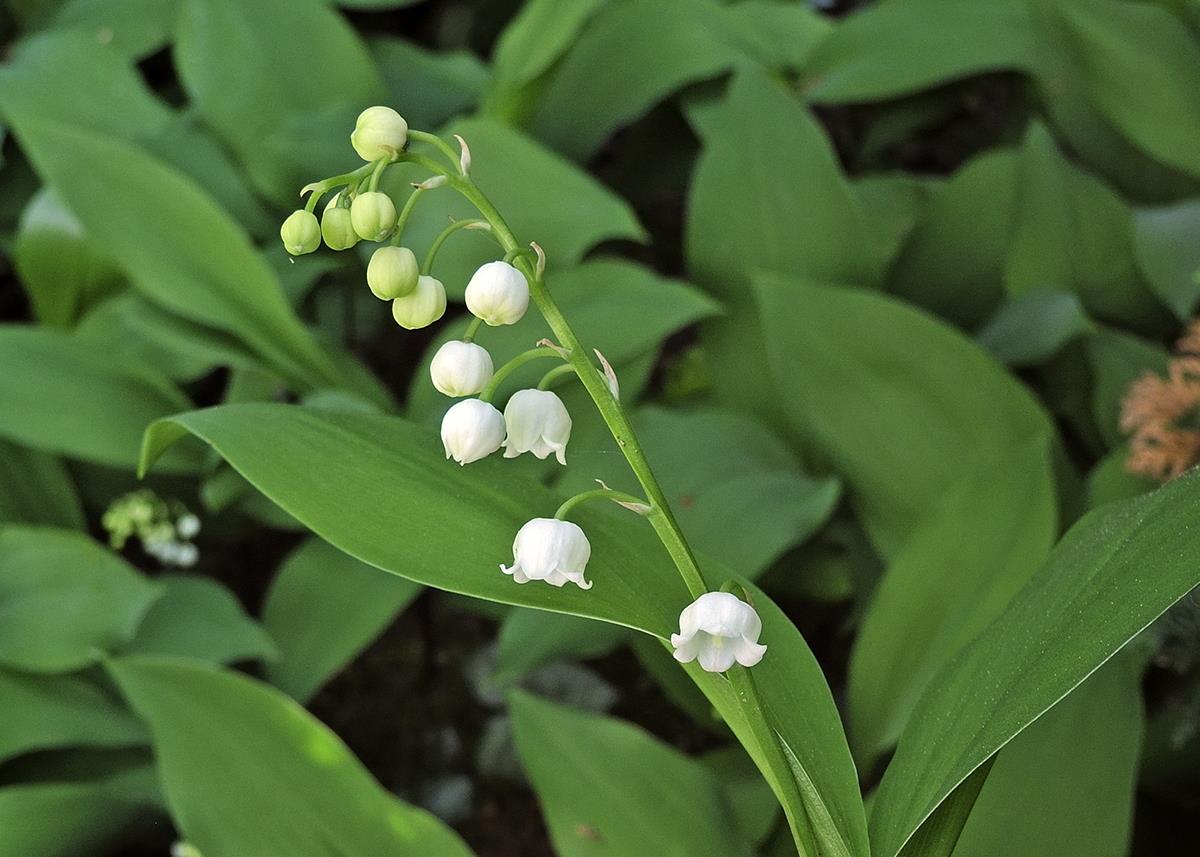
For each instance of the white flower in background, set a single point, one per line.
(717, 629)
(301, 233)
(537, 422)
(551, 550)
(498, 293)
(187, 526)
(422, 307)
(373, 214)
(461, 368)
(471, 430)
(380, 132)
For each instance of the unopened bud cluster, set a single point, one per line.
(164, 529)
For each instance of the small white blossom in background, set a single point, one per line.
(165, 530)
(379, 132)
(718, 629)
(472, 430)
(551, 550)
(423, 306)
(185, 849)
(461, 368)
(498, 294)
(537, 422)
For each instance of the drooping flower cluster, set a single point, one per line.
(718, 629)
(1162, 415)
(164, 529)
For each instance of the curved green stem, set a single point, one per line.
(438, 142)
(377, 173)
(554, 374)
(441, 239)
(598, 494)
(539, 353)
(405, 213)
(472, 329)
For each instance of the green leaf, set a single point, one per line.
(1065, 786)
(1115, 571)
(607, 787)
(432, 86)
(248, 772)
(323, 608)
(843, 359)
(529, 639)
(750, 797)
(199, 618)
(1033, 327)
(64, 600)
(985, 538)
(442, 525)
(187, 256)
(1117, 360)
(897, 47)
(136, 28)
(1168, 254)
(1141, 68)
(44, 712)
(110, 401)
(35, 488)
(62, 820)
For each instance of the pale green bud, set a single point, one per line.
(380, 132)
(301, 233)
(392, 273)
(373, 215)
(336, 226)
(423, 307)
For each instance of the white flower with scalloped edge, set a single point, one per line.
(551, 550)
(718, 629)
(472, 430)
(460, 368)
(537, 422)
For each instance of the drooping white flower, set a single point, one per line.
(717, 629)
(421, 307)
(461, 368)
(472, 430)
(537, 422)
(551, 550)
(498, 293)
(379, 132)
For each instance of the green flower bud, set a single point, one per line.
(373, 215)
(301, 233)
(380, 132)
(423, 307)
(336, 226)
(392, 273)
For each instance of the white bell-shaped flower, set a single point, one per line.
(717, 629)
(537, 422)
(461, 368)
(472, 430)
(498, 293)
(551, 550)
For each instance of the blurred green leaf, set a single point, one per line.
(43, 712)
(1167, 243)
(62, 819)
(1117, 570)
(65, 600)
(432, 86)
(323, 608)
(1065, 785)
(136, 28)
(608, 788)
(900, 424)
(754, 807)
(529, 639)
(450, 526)
(35, 488)
(196, 617)
(1110, 480)
(248, 772)
(1031, 328)
(1117, 360)
(110, 401)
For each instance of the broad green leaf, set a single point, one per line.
(249, 772)
(1115, 571)
(1141, 68)
(196, 617)
(799, 707)
(608, 788)
(35, 488)
(252, 69)
(1110, 480)
(767, 195)
(44, 712)
(189, 256)
(749, 796)
(897, 47)
(62, 820)
(893, 204)
(566, 211)
(110, 401)
(985, 538)
(1168, 254)
(64, 600)
(323, 608)
(388, 497)
(1033, 327)
(136, 28)
(432, 86)
(1117, 360)
(529, 639)
(1065, 785)
(901, 425)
